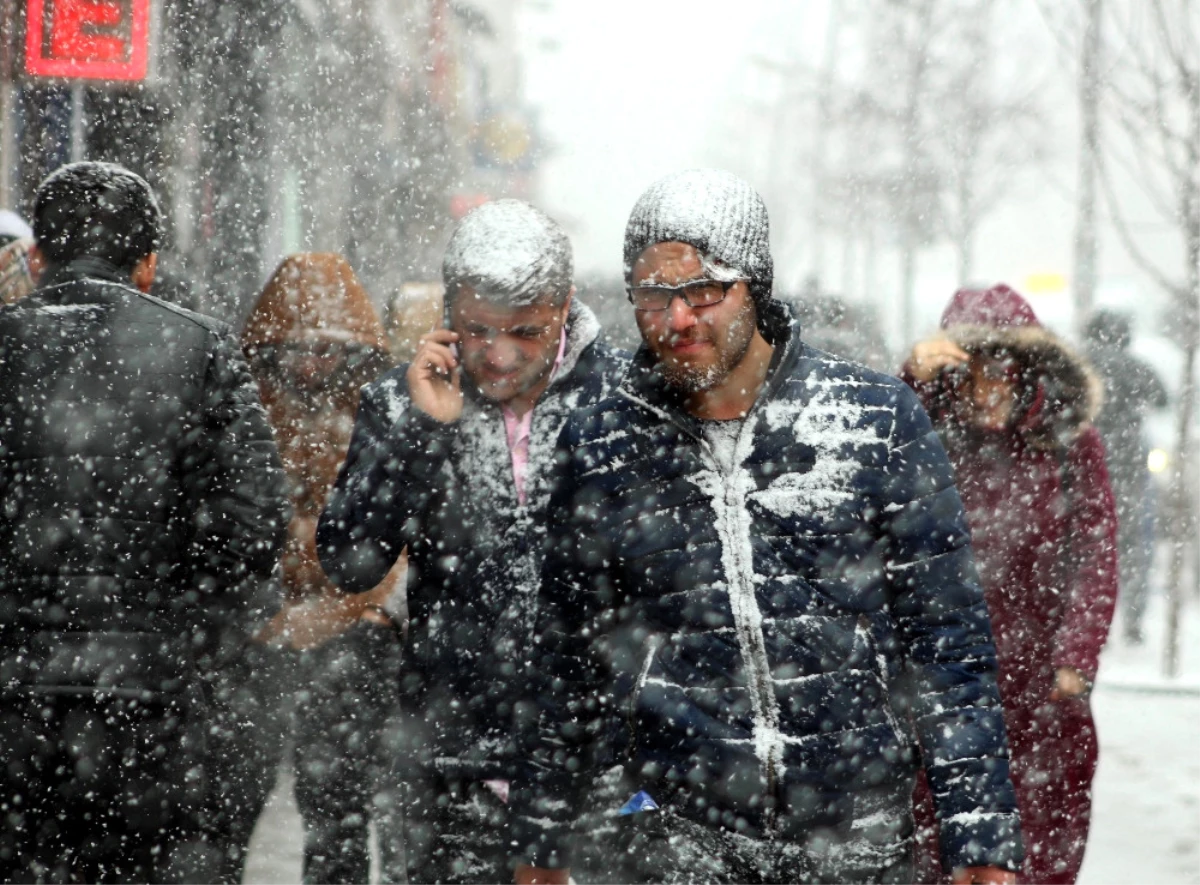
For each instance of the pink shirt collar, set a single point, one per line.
(517, 429)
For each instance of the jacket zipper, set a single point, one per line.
(878, 665)
(760, 683)
(635, 695)
(759, 667)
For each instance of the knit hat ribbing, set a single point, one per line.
(715, 211)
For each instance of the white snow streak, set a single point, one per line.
(729, 484)
(829, 423)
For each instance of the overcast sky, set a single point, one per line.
(629, 90)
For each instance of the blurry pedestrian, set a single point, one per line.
(833, 324)
(16, 241)
(751, 543)
(313, 340)
(16, 276)
(144, 513)
(1131, 388)
(451, 457)
(1014, 405)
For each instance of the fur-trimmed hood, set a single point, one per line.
(1059, 393)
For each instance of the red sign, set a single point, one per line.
(87, 39)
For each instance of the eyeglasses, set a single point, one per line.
(695, 293)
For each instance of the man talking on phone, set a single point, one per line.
(451, 457)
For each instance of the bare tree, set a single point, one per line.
(934, 132)
(914, 23)
(1153, 100)
(991, 130)
(1089, 151)
(825, 93)
(919, 118)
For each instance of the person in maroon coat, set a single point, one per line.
(1014, 405)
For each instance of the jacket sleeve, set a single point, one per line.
(236, 499)
(564, 703)
(947, 641)
(1092, 558)
(390, 478)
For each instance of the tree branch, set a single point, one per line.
(1127, 240)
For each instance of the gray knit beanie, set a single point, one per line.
(715, 211)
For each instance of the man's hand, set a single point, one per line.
(983, 876)
(527, 875)
(434, 377)
(1068, 683)
(930, 357)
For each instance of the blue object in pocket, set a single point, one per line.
(639, 801)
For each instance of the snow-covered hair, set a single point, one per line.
(510, 253)
(715, 211)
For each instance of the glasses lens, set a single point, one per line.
(651, 297)
(703, 293)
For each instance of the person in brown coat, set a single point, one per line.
(313, 339)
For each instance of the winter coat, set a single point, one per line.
(1131, 387)
(474, 551)
(313, 340)
(1043, 525)
(143, 497)
(733, 623)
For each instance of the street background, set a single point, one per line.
(1146, 817)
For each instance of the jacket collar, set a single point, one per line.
(582, 329)
(81, 269)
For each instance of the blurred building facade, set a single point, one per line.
(270, 126)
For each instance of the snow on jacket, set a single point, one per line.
(474, 551)
(144, 503)
(1043, 525)
(733, 624)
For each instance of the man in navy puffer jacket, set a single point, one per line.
(758, 601)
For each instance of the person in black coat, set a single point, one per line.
(451, 457)
(143, 513)
(1131, 388)
(758, 599)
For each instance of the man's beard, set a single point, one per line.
(730, 352)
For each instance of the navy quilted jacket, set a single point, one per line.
(757, 628)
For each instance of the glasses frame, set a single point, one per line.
(681, 290)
